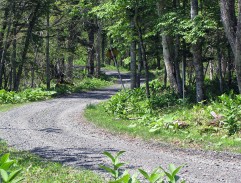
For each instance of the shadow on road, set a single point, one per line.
(88, 158)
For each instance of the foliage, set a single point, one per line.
(229, 109)
(7, 175)
(134, 104)
(28, 95)
(84, 84)
(159, 175)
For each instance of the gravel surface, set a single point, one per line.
(55, 129)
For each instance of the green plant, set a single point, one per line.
(115, 170)
(154, 177)
(158, 175)
(172, 174)
(7, 175)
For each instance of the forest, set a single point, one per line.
(194, 45)
(182, 59)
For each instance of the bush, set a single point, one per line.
(24, 96)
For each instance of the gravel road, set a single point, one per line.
(55, 129)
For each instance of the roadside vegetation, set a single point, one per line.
(10, 99)
(214, 124)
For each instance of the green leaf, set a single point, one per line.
(110, 156)
(172, 167)
(4, 175)
(4, 158)
(117, 166)
(120, 153)
(108, 169)
(13, 175)
(144, 173)
(7, 165)
(124, 179)
(176, 171)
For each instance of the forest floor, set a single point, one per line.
(56, 130)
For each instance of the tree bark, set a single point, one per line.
(232, 27)
(167, 53)
(47, 53)
(133, 57)
(33, 19)
(197, 58)
(143, 53)
(98, 50)
(91, 51)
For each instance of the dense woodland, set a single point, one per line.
(193, 45)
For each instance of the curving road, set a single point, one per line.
(55, 129)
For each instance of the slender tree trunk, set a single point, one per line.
(167, 53)
(197, 58)
(33, 19)
(232, 27)
(91, 51)
(177, 65)
(140, 65)
(230, 64)
(14, 56)
(133, 58)
(219, 57)
(143, 53)
(47, 53)
(103, 45)
(98, 50)
(4, 50)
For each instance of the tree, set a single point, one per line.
(232, 27)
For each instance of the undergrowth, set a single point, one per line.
(214, 125)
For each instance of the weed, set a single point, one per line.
(158, 175)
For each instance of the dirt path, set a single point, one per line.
(56, 129)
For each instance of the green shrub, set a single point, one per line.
(24, 96)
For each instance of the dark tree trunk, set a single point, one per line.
(91, 51)
(33, 19)
(98, 50)
(177, 65)
(47, 53)
(197, 58)
(133, 57)
(140, 65)
(143, 53)
(232, 27)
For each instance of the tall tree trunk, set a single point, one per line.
(14, 56)
(91, 51)
(98, 50)
(219, 58)
(230, 66)
(197, 58)
(133, 57)
(47, 53)
(143, 53)
(33, 19)
(232, 27)
(177, 65)
(168, 60)
(167, 52)
(140, 65)
(4, 50)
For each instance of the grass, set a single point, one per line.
(6, 107)
(38, 170)
(113, 68)
(191, 138)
